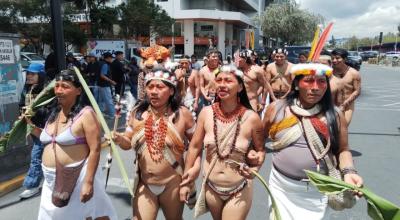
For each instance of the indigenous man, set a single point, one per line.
(207, 76)
(278, 75)
(351, 81)
(254, 79)
(188, 84)
(334, 82)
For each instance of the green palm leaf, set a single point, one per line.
(378, 207)
(16, 136)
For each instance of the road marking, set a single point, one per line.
(378, 109)
(396, 103)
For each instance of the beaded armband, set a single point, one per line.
(348, 170)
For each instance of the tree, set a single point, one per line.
(100, 17)
(31, 19)
(289, 23)
(138, 17)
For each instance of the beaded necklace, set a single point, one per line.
(227, 117)
(233, 116)
(155, 143)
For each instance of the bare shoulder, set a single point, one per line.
(354, 73)
(88, 113)
(257, 69)
(203, 70)
(206, 111)
(253, 117)
(270, 66)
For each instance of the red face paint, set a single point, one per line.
(312, 88)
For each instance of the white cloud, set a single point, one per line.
(361, 18)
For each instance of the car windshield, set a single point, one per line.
(295, 51)
(33, 56)
(353, 53)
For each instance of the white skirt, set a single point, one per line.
(296, 199)
(99, 205)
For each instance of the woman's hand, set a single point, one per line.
(253, 158)
(184, 193)
(247, 171)
(354, 179)
(190, 176)
(86, 192)
(117, 137)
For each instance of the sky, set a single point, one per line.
(360, 18)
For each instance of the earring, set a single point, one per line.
(296, 88)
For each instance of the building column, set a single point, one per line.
(221, 37)
(229, 37)
(188, 36)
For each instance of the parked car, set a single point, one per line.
(369, 54)
(77, 56)
(28, 58)
(293, 52)
(354, 55)
(393, 54)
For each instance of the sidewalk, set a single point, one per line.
(389, 67)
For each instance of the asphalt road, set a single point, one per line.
(374, 137)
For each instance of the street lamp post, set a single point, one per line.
(58, 34)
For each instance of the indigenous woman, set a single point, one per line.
(156, 131)
(227, 128)
(307, 133)
(73, 186)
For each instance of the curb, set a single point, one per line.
(12, 184)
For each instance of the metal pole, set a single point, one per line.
(58, 34)
(173, 42)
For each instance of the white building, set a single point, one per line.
(222, 24)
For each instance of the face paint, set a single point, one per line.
(312, 88)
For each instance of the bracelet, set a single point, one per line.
(348, 170)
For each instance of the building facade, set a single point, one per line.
(226, 25)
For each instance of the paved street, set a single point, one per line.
(374, 138)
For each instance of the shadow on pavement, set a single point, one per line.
(18, 200)
(126, 197)
(374, 134)
(355, 153)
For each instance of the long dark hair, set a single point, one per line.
(327, 106)
(174, 102)
(37, 88)
(243, 98)
(80, 102)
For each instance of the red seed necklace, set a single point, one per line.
(226, 118)
(155, 143)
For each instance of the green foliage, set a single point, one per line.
(21, 129)
(378, 207)
(31, 19)
(289, 23)
(139, 16)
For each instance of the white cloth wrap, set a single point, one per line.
(99, 205)
(296, 199)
